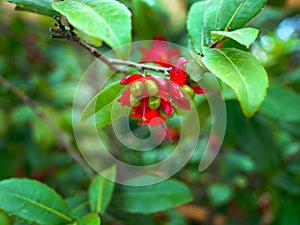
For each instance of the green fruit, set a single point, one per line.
(137, 88)
(154, 102)
(188, 92)
(164, 115)
(151, 87)
(134, 101)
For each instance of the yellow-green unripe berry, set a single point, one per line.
(151, 87)
(134, 101)
(137, 88)
(153, 102)
(188, 92)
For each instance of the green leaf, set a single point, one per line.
(106, 20)
(288, 212)
(90, 219)
(38, 6)
(210, 22)
(152, 198)
(239, 162)
(4, 219)
(195, 25)
(242, 72)
(148, 18)
(99, 109)
(286, 183)
(244, 36)
(22, 114)
(281, 104)
(227, 92)
(18, 222)
(235, 14)
(294, 167)
(33, 202)
(100, 191)
(79, 205)
(220, 193)
(88, 39)
(219, 15)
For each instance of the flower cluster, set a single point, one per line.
(153, 99)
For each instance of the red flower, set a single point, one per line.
(129, 79)
(159, 52)
(148, 97)
(154, 99)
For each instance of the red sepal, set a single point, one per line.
(160, 81)
(178, 74)
(130, 78)
(199, 90)
(159, 52)
(125, 98)
(175, 91)
(183, 104)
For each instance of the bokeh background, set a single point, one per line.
(256, 176)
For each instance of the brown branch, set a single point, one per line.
(140, 66)
(68, 34)
(112, 62)
(59, 133)
(95, 53)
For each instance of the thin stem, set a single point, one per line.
(97, 54)
(140, 66)
(71, 36)
(59, 133)
(111, 63)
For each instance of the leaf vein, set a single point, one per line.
(55, 212)
(238, 71)
(234, 15)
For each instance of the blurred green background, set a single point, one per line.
(256, 176)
